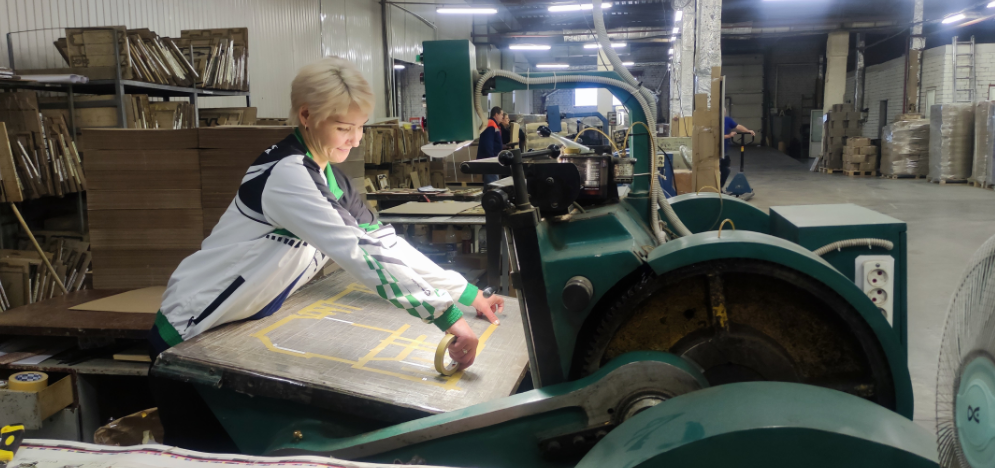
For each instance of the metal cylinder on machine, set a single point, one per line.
(577, 294)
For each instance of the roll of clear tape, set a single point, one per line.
(441, 353)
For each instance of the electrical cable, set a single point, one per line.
(866, 242)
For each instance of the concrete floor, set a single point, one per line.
(946, 224)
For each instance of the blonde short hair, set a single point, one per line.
(328, 87)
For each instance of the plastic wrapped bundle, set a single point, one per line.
(905, 148)
(951, 141)
(984, 143)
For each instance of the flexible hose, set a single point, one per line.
(888, 245)
(672, 219)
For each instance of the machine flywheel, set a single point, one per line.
(743, 320)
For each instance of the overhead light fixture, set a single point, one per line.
(628, 64)
(466, 11)
(954, 18)
(671, 51)
(615, 45)
(676, 30)
(673, 38)
(552, 65)
(678, 15)
(577, 7)
(528, 47)
(398, 67)
(991, 5)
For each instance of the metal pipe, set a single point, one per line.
(858, 75)
(388, 58)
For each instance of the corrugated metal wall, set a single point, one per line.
(283, 36)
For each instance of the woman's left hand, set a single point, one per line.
(487, 306)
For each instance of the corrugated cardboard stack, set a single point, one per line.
(860, 155)
(42, 157)
(842, 122)
(707, 137)
(905, 147)
(984, 143)
(144, 205)
(225, 154)
(951, 142)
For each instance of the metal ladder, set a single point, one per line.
(963, 71)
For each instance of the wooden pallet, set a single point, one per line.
(984, 185)
(829, 171)
(860, 173)
(902, 176)
(947, 181)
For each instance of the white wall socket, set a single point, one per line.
(875, 275)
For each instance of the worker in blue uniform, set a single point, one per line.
(490, 142)
(731, 129)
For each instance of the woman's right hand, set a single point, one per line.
(464, 348)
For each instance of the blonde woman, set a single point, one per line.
(294, 212)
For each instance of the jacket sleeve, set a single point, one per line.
(298, 200)
(436, 276)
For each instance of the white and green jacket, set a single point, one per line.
(287, 220)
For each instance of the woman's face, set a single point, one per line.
(339, 134)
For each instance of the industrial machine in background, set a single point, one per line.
(694, 331)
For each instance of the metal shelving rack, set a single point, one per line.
(119, 88)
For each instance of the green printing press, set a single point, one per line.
(678, 339)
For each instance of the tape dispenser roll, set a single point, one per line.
(29, 381)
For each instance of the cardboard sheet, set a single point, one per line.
(141, 301)
(438, 208)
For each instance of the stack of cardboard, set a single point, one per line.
(138, 111)
(225, 155)
(381, 142)
(227, 116)
(24, 278)
(842, 122)
(905, 147)
(860, 155)
(172, 115)
(144, 203)
(984, 143)
(707, 137)
(37, 154)
(143, 55)
(221, 56)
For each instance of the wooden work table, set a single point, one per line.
(53, 317)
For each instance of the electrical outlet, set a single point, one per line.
(875, 275)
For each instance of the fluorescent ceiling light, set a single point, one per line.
(628, 64)
(615, 45)
(991, 5)
(398, 67)
(552, 65)
(577, 7)
(954, 18)
(673, 38)
(676, 30)
(466, 11)
(671, 51)
(528, 47)
(678, 15)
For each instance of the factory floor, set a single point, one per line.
(946, 224)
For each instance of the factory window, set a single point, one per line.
(589, 97)
(585, 97)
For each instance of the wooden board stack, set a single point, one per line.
(227, 116)
(37, 155)
(172, 115)
(144, 205)
(860, 156)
